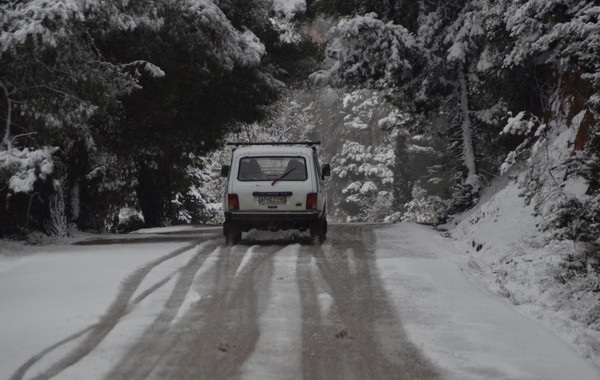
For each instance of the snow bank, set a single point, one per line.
(468, 333)
(500, 240)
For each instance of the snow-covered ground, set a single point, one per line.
(449, 314)
(503, 246)
(172, 229)
(51, 293)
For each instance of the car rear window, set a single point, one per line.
(272, 168)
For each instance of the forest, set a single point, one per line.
(115, 112)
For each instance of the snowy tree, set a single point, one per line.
(367, 51)
(56, 82)
(402, 190)
(78, 76)
(364, 50)
(235, 78)
(460, 71)
(362, 179)
(564, 37)
(200, 200)
(561, 40)
(499, 88)
(286, 119)
(366, 172)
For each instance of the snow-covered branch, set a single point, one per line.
(365, 49)
(530, 128)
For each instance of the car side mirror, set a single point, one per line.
(225, 171)
(325, 170)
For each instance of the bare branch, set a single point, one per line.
(67, 94)
(22, 135)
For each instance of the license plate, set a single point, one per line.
(271, 200)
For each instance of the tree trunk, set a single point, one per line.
(6, 141)
(402, 183)
(467, 133)
(154, 194)
(55, 223)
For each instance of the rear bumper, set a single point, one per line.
(272, 221)
(268, 216)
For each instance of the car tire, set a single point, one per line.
(232, 232)
(323, 234)
(318, 230)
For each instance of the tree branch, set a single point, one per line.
(22, 135)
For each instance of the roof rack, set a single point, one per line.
(309, 143)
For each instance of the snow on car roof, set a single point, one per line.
(272, 149)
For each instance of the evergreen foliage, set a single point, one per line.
(56, 86)
(461, 68)
(108, 104)
(578, 221)
(208, 84)
(104, 101)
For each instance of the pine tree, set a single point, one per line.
(56, 84)
(80, 84)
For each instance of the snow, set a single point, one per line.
(164, 271)
(500, 241)
(368, 187)
(325, 303)
(254, 49)
(468, 332)
(48, 20)
(26, 166)
(195, 295)
(287, 32)
(245, 260)
(115, 345)
(51, 292)
(243, 48)
(486, 61)
(457, 302)
(191, 298)
(363, 48)
(149, 68)
(276, 355)
(289, 8)
(170, 229)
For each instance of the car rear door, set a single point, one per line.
(274, 183)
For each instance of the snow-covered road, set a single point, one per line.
(373, 302)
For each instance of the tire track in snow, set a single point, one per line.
(220, 335)
(216, 334)
(375, 343)
(322, 356)
(94, 334)
(139, 361)
(277, 352)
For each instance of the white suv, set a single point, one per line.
(274, 186)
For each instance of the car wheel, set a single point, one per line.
(318, 229)
(323, 233)
(232, 232)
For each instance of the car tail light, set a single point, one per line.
(311, 201)
(233, 202)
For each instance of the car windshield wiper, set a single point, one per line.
(283, 175)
